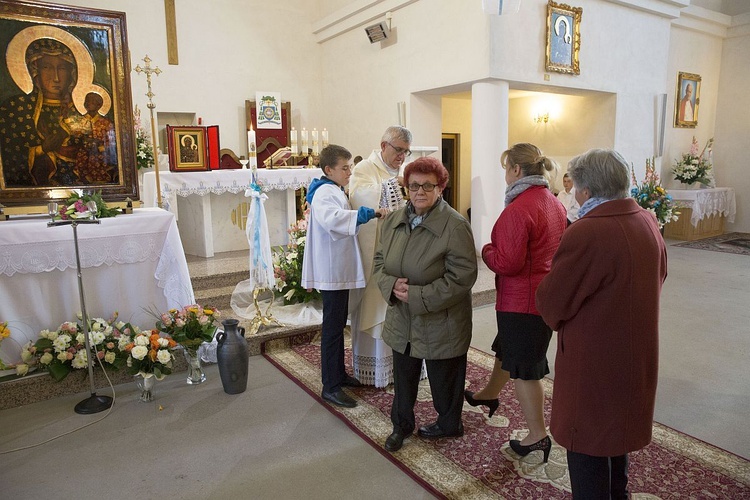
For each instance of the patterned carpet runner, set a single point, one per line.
(737, 243)
(481, 465)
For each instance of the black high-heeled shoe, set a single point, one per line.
(544, 444)
(492, 404)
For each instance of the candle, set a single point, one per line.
(325, 138)
(316, 144)
(253, 160)
(295, 149)
(304, 141)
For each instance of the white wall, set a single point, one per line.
(227, 51)
(716, 48)
(614, 57)
(700, 54)
(437, 44)
(732, 133)
(576, 124)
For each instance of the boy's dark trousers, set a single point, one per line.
(335, 311)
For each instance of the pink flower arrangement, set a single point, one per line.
(190, 326)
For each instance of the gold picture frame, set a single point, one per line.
(563, 38)
(77, 135)
(187, 149)
(687, 100)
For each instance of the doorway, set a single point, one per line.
(451, 146)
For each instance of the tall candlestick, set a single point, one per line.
(295, 148)
(316, 144)
(304, 141)
(324, 135)
(251, 149)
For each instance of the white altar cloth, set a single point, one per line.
(130, 263)
(211, 218)
(174, 184)
(706, 202)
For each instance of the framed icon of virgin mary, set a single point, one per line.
(563, 38)
(66, 118)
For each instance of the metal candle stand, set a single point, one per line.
(94, 403)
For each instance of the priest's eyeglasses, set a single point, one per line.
(428, 187)
(400, 151)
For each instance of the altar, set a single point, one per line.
(130, 263)
(703, 213)
(211, 207)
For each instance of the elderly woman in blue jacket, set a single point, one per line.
(425, 265)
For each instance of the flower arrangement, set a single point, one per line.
(287, 265)
(150, 354)
(85, 206)
(62, 350)
(695, 167)
(4, 334)
(650, 195)
(144, 149)
(190, 326)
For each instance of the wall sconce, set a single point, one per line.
(541, 117)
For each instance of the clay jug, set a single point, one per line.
(232, 357)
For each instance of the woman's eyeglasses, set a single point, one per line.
(428, 187)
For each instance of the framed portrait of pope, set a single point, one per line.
(688, 99)
(65, 106)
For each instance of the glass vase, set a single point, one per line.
(146, 384)
(195, 370)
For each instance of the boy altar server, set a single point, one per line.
(332, 263)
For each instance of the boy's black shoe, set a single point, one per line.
(339, 398)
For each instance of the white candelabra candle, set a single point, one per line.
(305, 143)
(324, 138)
(294, 145)
(316, 143)
(251, 149)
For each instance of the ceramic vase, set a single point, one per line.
(232, 356)
(195, 370)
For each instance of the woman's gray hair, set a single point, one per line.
(603, 171)
(396, 133)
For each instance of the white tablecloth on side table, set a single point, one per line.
(706, 202)
(130, 263)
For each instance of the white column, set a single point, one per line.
(489, 131)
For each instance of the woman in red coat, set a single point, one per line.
(602, 298)
(524, 240)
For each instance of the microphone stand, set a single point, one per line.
(94, 403)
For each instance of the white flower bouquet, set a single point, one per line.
(695, 167)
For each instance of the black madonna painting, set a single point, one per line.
(65, 106)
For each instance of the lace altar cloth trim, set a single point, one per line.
(184, 184)
(706, 202)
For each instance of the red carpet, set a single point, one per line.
(480, 464)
